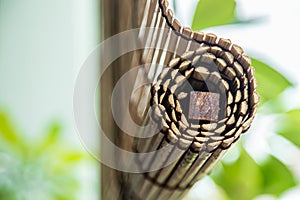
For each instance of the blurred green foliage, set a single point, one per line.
(277, 177)
(271, 82)
(210, 13)
(214, 13)
(40, 168)
(246, 179)
(237, 183)
(289, 126)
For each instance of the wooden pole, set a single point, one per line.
(116, 16)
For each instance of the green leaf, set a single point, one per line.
(73, 157)
(289, 126)
(241, 179)
(52, 138)
(214, 13)
(6, 130)
(10, 139)
(270, 82)
(277, 177)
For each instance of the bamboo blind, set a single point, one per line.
(203, 100)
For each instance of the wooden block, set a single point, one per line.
(204, 106)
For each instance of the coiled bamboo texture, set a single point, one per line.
(201, 101)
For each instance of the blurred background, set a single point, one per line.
(42, 47)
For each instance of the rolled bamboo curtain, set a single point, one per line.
(202, 100)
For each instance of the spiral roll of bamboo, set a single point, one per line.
(202, 101)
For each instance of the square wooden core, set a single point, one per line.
(204, 106)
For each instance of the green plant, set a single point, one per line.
(37, 168)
